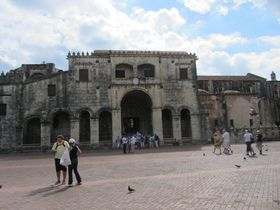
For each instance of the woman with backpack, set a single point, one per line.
(59, 148)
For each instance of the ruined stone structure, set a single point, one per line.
(241, 102)
(102, 95)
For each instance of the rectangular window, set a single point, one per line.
(3, 109)
(83, 75)
(120, 73)
(231, 123)
(51, 90)
(183, 74)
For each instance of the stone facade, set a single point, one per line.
(102, 95)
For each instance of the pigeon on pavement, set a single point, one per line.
(130, 189)
(238, 166)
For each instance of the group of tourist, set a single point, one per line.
(222, 140)
(130, 142)
(66, 150)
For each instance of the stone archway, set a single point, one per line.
(84, 120)
(167, 127)
(60, 125)
(105, 127)
(136, 113)
(186, 131)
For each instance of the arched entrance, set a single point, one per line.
(60, 125)
(167, 123)
(186, 123)
(32, 132)
(84, 126)
(105, 127)
(136, 112)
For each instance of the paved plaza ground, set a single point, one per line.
(175, 178)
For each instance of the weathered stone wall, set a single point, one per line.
(8, 123)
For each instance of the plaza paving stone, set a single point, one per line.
(172, 178)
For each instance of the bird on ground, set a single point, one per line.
(0, 186)
(130, 189)
(204, 154)
(244, 158)
(266, 150)
(238, 166)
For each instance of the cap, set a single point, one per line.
(72, 141)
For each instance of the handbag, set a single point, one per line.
(65, 159)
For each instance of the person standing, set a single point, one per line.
(132, 143)
(248, 139)
(74, 149)
(217, 141)
(156, 139)
(259, 141)
(59, 148)
(124, 144)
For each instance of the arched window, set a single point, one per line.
(146, 70)
(123, 70)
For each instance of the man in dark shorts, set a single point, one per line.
(59, 148)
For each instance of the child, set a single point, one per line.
(74, 149)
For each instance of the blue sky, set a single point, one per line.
(229, 36)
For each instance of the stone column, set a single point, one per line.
(195, 126)
(116, 124)
(157, 122)
(176, 123)
(75, 128)
(94, 130)
(45, 134)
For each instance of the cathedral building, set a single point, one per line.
(102, 95)
(107, 93)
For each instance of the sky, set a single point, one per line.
(230, 37)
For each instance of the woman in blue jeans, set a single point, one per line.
(74, 149)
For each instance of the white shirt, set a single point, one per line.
(247, 137)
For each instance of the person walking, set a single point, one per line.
(74, 149)
(248, 139)
(217, 141)
(59, 148)
(259, 141)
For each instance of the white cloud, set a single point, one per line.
(273, 41)
(29, 36)
(199, 6)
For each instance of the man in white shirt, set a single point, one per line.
(248, 137)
